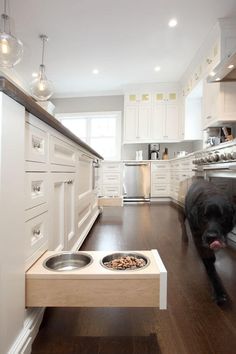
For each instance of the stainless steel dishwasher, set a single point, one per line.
(136, 182)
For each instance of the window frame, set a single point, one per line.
(90, 116)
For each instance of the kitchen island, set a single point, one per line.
(48, 201)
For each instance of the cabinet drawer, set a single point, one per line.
(36, 233)
(160, 178)
(36, 144)
(111, 167)
(61, 153)
(160, 166)
(110, 191)
(160, 190)
(36, 189)
(111, 178)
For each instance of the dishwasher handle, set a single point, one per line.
(137, 164)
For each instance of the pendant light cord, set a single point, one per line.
(43, 39)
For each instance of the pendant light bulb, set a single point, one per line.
(42, 88)
(11, 48)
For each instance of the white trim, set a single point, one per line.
(78, 244)
(23, 343)
(163, 280)
(89, 115)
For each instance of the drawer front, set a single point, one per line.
(36, 189)
(160, 190)
(36, 144)
(111, 178)
(111, 191)
(160, 166)
(111, 167)
(61, 153)
(36, 234)
(158, 177)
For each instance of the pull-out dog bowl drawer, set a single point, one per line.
(95, 285)
(67, 261)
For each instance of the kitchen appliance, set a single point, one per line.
(218, 165)
(153, 151)
(225, 71)
(136, 185)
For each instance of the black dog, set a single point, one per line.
(211, 215)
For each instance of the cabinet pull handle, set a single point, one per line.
(36, 232)
(209, 61)
(69, 181)
(36, 188)
(36, 145)
(208, 117)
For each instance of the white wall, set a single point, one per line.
(89, 104)
(128, 151)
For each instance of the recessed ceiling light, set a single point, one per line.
(173, 22)
(231, 66)
(95, 71)
(157, 68)
(34, 74)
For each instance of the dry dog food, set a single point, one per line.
(126, 262)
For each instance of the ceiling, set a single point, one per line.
(124, 39)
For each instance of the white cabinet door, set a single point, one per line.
(158, 122)
(62, 205)
(210, 99)
(144, 120)
(171, 122)
(130, 123)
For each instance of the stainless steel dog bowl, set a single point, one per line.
(67, 261)
(113, 256)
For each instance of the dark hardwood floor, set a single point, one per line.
(192, 324)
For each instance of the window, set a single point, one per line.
(100, 130)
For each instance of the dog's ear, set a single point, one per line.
(194, 216)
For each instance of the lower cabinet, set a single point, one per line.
(86, 196)
(62, 206)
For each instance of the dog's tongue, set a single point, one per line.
(215, 245)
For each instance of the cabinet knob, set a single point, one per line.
(69, 181)
(209, 61)
(36, 232)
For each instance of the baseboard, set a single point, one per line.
(23, 343)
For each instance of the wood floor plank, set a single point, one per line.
(192, 324)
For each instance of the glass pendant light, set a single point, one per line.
(11, 48)
(41, 88)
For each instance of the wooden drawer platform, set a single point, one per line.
(96, 286)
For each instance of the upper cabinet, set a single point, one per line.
(150, 117)
(165, 122)
(219, 104)
(137, 117)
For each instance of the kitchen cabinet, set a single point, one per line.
(160, 179)
(86, 200)
(219, 104)
(151, 117)
(165, 118)
(137, 117)
(111, 179)
(62, 204)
